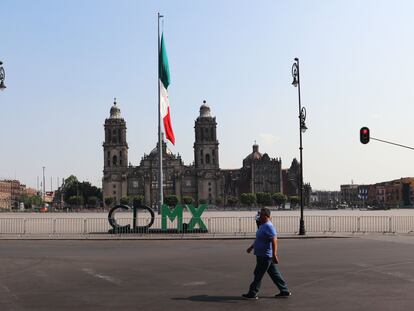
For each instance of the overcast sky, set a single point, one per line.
(65, 61)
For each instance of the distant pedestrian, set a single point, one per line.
(258, 219)
(265, 249)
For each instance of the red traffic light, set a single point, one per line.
(364, 135)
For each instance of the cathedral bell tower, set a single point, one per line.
(206, 157)
(115, 148)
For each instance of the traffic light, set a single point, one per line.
(364, 135)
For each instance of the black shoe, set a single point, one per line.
(250, 296)
(283, 295)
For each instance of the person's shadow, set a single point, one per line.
(207, 298)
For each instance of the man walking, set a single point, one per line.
(265, 249)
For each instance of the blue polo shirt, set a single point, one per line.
(264, 237)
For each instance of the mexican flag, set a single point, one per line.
(164, 74)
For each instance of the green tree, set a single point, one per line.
(187, 200)
(264, 198)
(232, 201)
(36, 200)
(294, 200)
(279, 198)
(72, 187)
(92, 201)
(75, 200)
(247, 198)
(171, 200)
(109, 201)
(219, 201)
(125, 200)
(138, 199)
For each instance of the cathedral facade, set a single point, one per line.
(203, 180)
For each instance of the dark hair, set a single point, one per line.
(265, 211)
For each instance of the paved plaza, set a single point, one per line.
(375, 272)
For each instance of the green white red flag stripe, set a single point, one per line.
(164, 74)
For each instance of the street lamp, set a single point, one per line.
(2, 76)
(302, 129)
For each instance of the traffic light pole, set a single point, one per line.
(388, 142)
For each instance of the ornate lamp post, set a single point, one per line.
(302, 129)
(2, 76)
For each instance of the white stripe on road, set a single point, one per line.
(101, 276)
(194, 283)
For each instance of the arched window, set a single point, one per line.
(120, 157)
(207, 159)
(114, 160)
(114, 136)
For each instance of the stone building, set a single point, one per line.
(10, 193)
(203, 180)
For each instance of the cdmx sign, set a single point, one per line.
(167, 213)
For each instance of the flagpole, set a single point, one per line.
(160, 183)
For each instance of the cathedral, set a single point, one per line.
(203, 180)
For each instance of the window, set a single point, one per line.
(108, 136)
(114, 160)
(207, 159)
(120, 157)
(135, 184)
(114, 192)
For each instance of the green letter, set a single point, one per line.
(177, 212)
(196, 212)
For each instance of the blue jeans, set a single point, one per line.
(263, 265)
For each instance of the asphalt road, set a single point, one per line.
(323, 274)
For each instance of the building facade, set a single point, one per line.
(10, 193)
(203, 180)
(389, 194)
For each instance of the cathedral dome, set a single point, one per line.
(205, 110)
(255, 155)
(165, 149)
(155, 151)
(115, 111)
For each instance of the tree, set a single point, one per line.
(187, 200)
(171, 200)
(279, 198)
(125, 200)
(72, 187)
(219, 200)
(92, 201)
(36, 200)
(294, 200)
(247, 198)
(137, 200)
(232, 201)
(109, 201)
(264, 198)
(75, 200)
